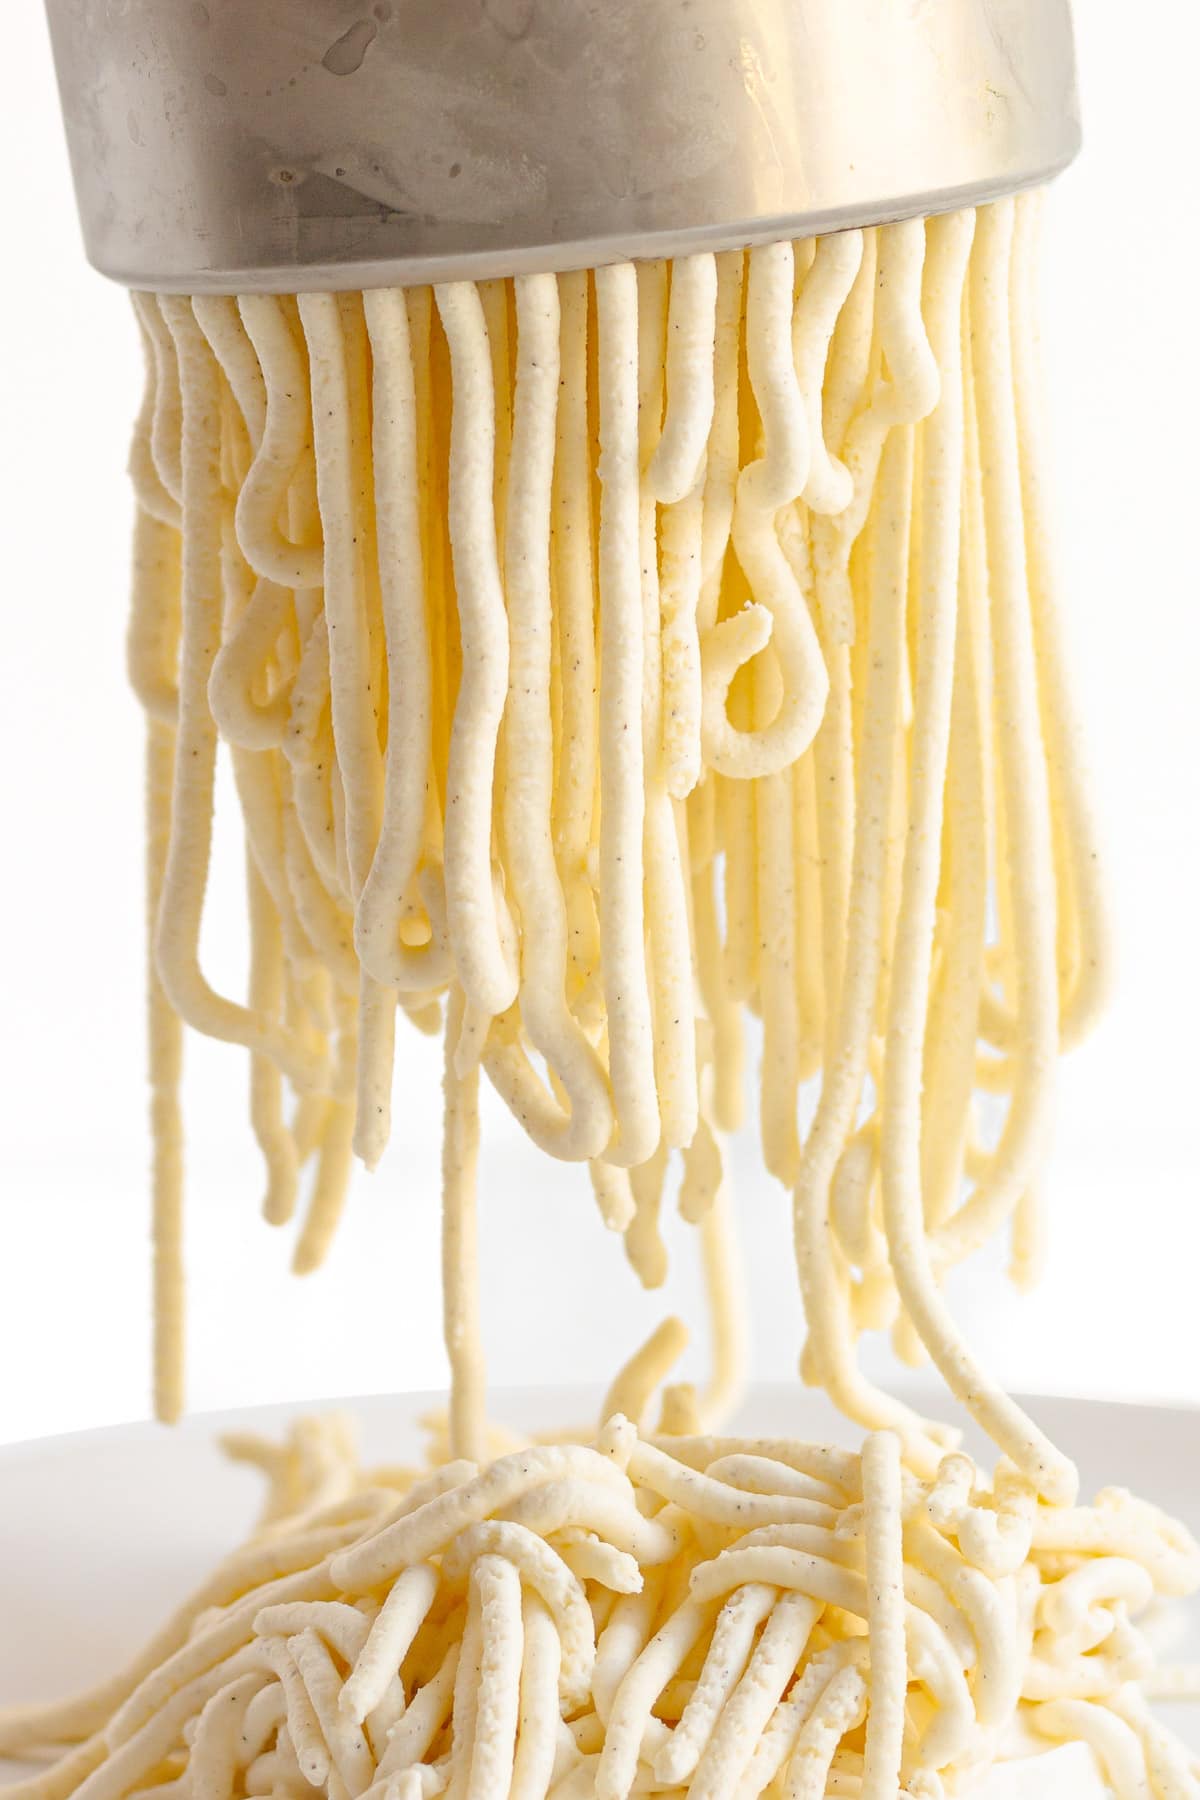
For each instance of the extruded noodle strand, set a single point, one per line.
(460, 1264)
(622, 791)
(536, 891)
(471, 903)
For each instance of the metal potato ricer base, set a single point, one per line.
(281, 145)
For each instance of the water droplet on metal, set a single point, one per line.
(345, 57)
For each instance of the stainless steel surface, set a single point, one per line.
(284, 144)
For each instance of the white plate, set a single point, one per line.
(101, 1533)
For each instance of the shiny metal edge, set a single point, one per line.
(588, 253)
(282, 145)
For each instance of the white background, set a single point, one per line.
(1118, 1311)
